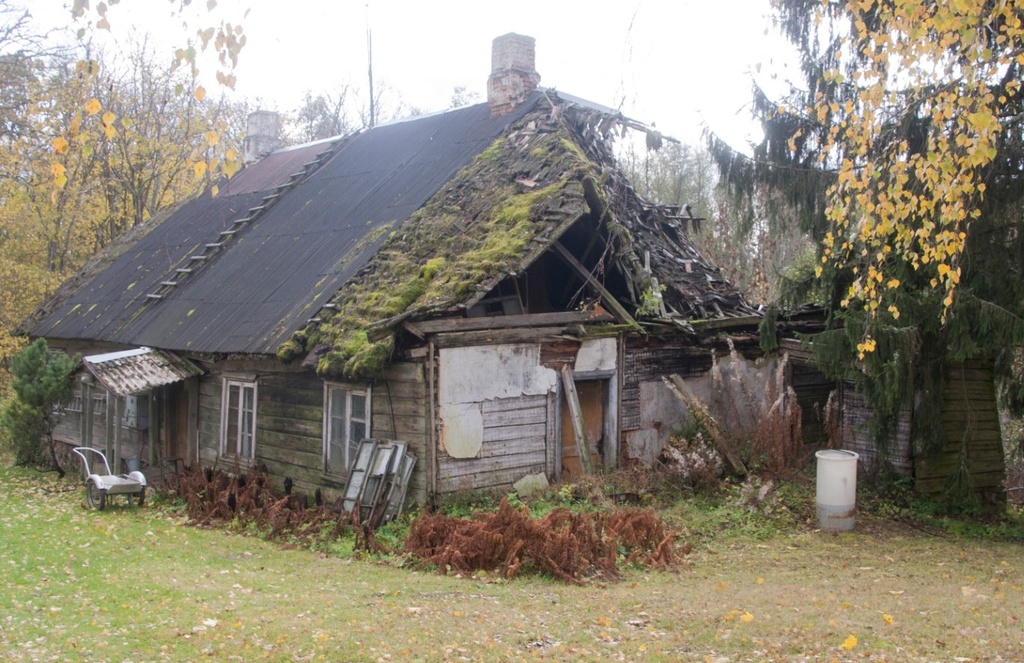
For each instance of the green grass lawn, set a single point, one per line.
(132, 584)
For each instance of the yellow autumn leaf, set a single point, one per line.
(850, 642)
(211, 137)
(108, 118)
(200, 93)
(59, 178)
(110, 131)
(746, 617)
(199, 167)
(943, 268)
(893, 283)
(887, 617)
(60, 145)
(93, 106)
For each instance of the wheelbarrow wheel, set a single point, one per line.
(96, 498)
(141, 497)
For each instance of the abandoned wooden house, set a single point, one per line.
(483, 284)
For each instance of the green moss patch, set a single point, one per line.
(474, 230)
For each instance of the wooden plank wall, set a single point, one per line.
(812, 392)
(855, 422)
(69, 425)
(289, 431)
(69, 428)
(970, 420)
(516, 431)
(400, 412)
(289, 426)
(209, 419)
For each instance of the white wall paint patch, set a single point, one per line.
(462, 429)
(597, 354)
(477, 374)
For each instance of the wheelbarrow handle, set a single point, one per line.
(85, 460)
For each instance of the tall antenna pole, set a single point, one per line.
(369, 60)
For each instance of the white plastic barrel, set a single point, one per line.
(836, 490)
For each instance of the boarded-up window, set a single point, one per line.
(238, 419)
(346, 422)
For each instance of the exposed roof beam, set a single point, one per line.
(607, 297)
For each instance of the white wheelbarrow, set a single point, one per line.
(98, 486)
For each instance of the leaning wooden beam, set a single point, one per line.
(576, 414)
(706, 422)
(606, 296)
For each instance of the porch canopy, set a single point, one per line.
(136, 371)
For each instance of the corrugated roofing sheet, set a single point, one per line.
(277, 272)
(139, 370)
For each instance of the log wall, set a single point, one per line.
(289, 426)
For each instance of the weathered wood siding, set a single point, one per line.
(812, 392)
(855, 435)
(289, 431)
(69, 424)
(69, 430)
(400, 412)
(289, 426)
(970, 421)
(208, 428)
(516, 431)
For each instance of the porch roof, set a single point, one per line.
(139, 370)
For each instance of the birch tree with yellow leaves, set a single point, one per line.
(902, 151)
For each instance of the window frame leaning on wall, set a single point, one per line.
(233, 449)
(348, 446)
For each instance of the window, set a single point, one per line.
(238, 419)
(346, 422)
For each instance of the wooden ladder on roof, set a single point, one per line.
(210, 249)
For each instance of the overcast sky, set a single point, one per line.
(680, 64)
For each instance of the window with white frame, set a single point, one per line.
(238, 419)
(346, 422)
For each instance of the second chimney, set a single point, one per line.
(263, 136)
(513, 72)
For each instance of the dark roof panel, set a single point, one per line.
(279, 269)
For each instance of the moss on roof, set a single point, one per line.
(476, 229)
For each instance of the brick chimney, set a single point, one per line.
(513, 72)
(262, 136)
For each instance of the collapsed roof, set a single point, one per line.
(305, 252)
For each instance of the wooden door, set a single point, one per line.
(592, 395)
(175, 417)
